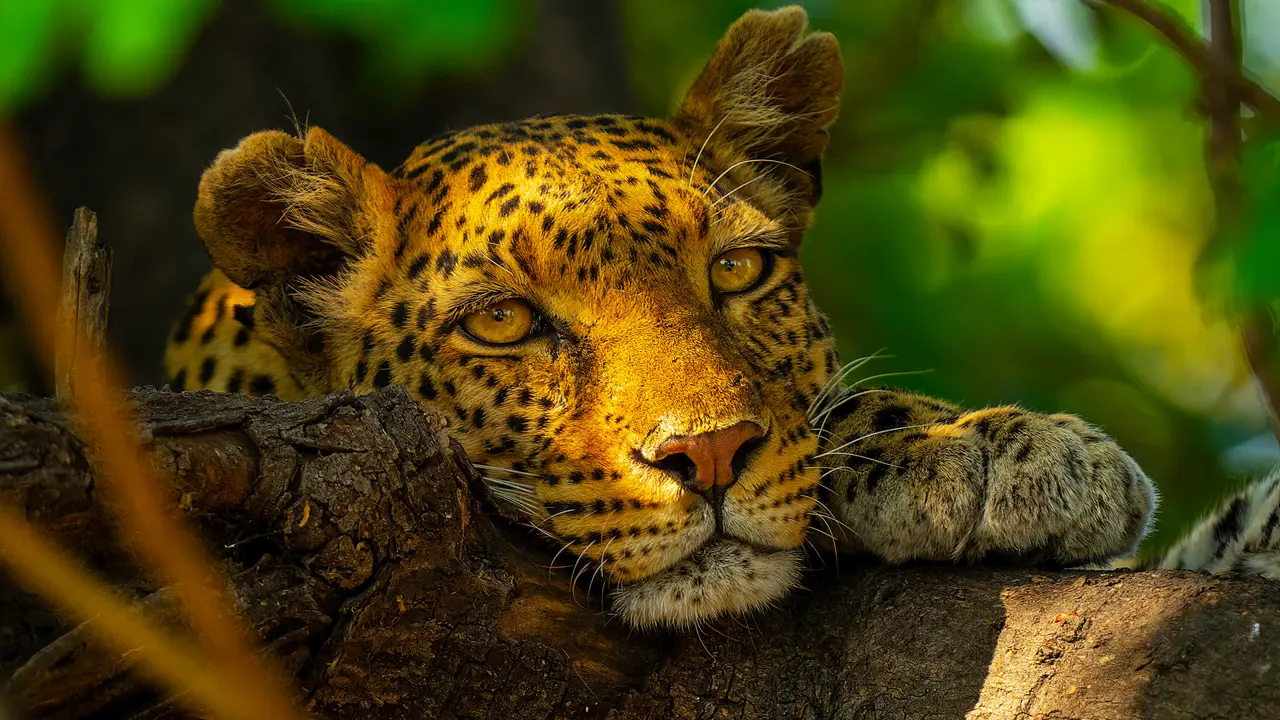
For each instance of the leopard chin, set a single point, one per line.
(723, 577)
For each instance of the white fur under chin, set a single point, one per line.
(723, 578)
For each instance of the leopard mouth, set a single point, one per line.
(722, 577)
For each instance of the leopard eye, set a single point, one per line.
(502, 323)
(738, 270)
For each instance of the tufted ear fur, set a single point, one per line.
(771, 91)
(276, 207)
(279, 214)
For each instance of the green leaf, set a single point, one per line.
(407, 38)
(133, 46)
(26, 47)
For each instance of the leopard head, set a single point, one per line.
(609, 310)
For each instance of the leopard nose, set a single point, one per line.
(716, 457)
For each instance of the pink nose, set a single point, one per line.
(712, 454)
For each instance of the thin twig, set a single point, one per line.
(120, 624)
(126, 475)
(1210, 65)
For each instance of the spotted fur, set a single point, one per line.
(335, 274)
(1242, 535)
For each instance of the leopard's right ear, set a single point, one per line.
(276, 207)
(772, 89)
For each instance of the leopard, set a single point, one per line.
(610, 314)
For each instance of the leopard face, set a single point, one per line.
(609, 310)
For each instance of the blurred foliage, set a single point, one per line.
(1257, 253)
(125, 46)
(131, 47)
(1015, 197)
(407, 39)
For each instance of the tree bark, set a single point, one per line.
(86, 299)
(361, 553)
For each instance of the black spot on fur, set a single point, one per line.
(1228, 527)
(404, 350)
(891, 417)
(418, 265)
(1014, 431)
(502, 191)
(458, 152)
(382, 377)
(446, 263)
(478, 178)
(400, 314)
(207, 369)
(426, 388)
(243, 315)
(262, 385)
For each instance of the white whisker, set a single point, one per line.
(599, 568)
(871, 435)
(509, 485)
(820, 531)
(829, 515)
(746, 162)
(835, 549)
(838, 378)
(729, 194)
(698, 157)
(855, 455)
(550, 517)
(544, 531)
(495, 468)
(837, 401)
(555, 557)
(889, 375)
(573, 575)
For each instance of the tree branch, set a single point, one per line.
(1209, 64)
(357, 554)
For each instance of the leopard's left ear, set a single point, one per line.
(771, 91)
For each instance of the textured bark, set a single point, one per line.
(86, 296)
(359, 554)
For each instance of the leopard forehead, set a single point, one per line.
(571, 199)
